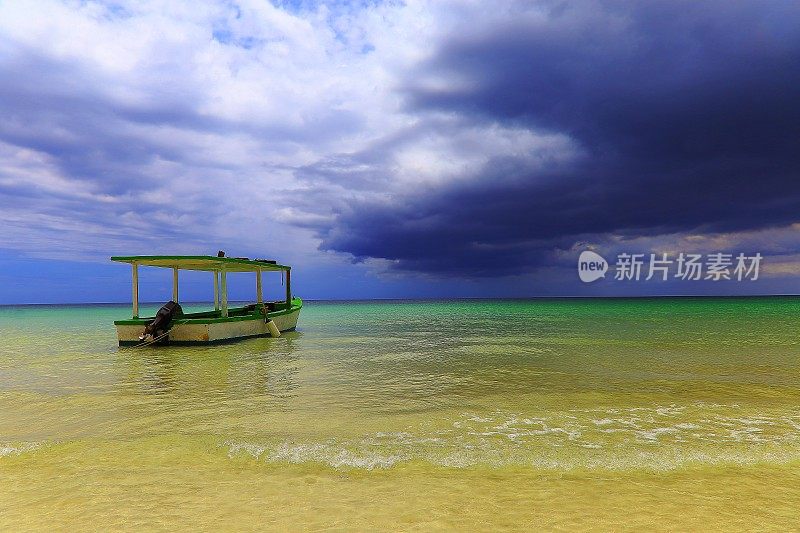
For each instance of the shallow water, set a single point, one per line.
(661, 414)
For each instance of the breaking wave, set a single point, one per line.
(659, 438)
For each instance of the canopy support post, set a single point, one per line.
(224, 277)
(216, 290)
(135, 289)
(288, 288)
(259, 292)
(175, 284)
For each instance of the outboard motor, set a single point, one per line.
(161, 322)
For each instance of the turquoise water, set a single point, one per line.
(500, 412)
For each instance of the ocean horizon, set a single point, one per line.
(430, 299)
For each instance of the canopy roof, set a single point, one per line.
(201, 262)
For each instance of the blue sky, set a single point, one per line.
(396, 149)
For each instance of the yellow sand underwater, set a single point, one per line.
(669, 414)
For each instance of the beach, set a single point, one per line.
(591, 414)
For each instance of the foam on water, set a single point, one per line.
(655, 438)
(17, 448)
(355, 455)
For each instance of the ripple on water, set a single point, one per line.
(652, 438)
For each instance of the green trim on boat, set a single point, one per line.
(198, 318)
(200, 262)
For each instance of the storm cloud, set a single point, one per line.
(684, 117)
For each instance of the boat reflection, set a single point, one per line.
(260, 367)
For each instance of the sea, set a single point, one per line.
(662, 414)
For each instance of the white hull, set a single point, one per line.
(212, 332)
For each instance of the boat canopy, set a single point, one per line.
(206, 263)
(219, 266)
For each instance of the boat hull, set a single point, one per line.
(210, 331)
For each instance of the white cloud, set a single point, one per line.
(189, 120)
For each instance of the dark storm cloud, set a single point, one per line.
(688, 115)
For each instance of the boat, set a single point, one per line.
(222, 324)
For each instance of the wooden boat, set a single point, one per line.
(223, 324)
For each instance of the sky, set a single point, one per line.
(418, 149)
